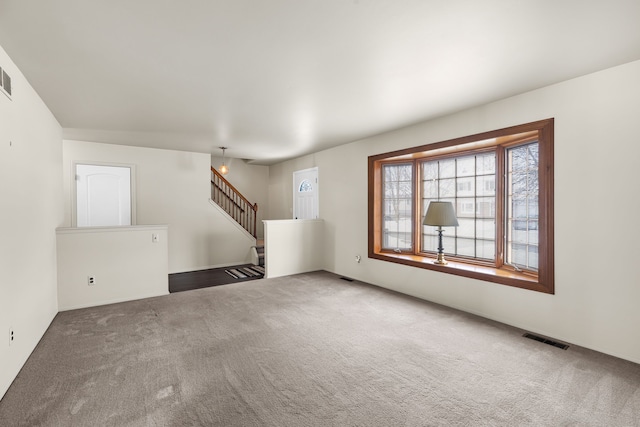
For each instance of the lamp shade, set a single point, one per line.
(440, 214)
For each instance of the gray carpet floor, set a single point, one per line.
(308, 350)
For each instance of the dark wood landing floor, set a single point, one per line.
(179, 282)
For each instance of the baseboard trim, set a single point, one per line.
(113, 301)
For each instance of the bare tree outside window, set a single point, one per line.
(398, 207)
(522, 206)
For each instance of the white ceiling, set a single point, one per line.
(275, 79)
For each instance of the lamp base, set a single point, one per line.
(440, 260)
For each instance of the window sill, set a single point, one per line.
(489, 274)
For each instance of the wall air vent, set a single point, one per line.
(5, 83)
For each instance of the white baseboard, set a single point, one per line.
(113, 301)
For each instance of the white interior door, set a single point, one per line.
(103, 195)
(305, 194)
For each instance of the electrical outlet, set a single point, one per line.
(91, 280)
(11, 336)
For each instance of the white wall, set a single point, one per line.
(125, 262)
(31, 195)
(252, 181)
(596, 164)
(174, 188)
(293, 246)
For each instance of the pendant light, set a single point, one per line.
(224, 169)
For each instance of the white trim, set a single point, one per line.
(72, 230)
(113, 301)
(296, 221)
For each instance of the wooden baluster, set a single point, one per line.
(233, 203)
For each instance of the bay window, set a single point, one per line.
(501, 185)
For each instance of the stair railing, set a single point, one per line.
(233, 202)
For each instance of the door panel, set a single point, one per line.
(103, 195)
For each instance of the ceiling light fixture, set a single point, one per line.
(224, 169)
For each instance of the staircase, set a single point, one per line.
(233, 202)
(259, 253)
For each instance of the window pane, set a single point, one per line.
(486, 164)
(518, 158)
(430, 170)
(486, 229)
(397, 206)
(522, 206)
(430, 189)
(466, 247)
(447, 168)
(518, 183)
(533, 255)
(305, 186)
(430, 230)
(449, 244)
(519, 254)
(485, 249)
(466, 166)
(486, 207)
(467, 227)
(486, 185)
(519, 231)
(465, 187)
(532, 159)
(466, 207)
(532, 206)
(447, 187)
(533, 233)
(457, 180)
(429, 243)
(519, 207)
(390, 189)
(532, 181)
(397, 240)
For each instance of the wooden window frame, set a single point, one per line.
(543, 279)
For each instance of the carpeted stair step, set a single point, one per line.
(260, 251)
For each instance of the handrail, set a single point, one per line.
(233, 202)
(232, 187)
